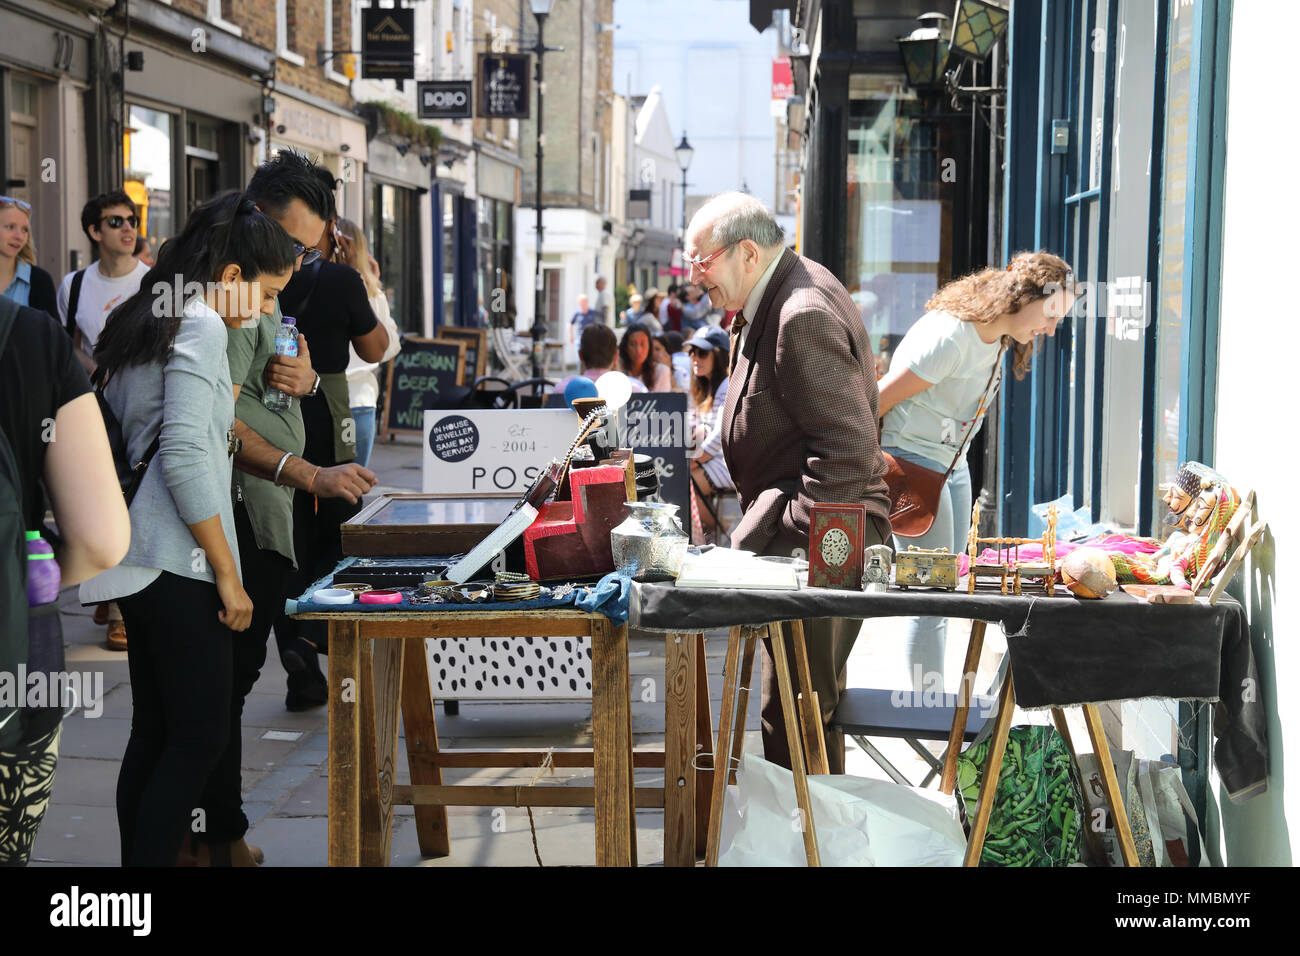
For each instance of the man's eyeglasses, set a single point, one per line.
(116, 222)
(703, 262)
(308, 255)
(22, 204)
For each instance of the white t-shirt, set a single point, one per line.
(99, 296)
(363, 384)
(948, 352)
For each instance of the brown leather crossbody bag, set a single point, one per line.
(914, 490)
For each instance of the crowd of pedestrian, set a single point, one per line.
(197, 477)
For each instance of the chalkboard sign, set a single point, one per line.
(475, 349)
(423, 375)
(656, 424)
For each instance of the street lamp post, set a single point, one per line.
(541, 9)
(684, 153)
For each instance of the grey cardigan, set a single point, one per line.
(191, 401)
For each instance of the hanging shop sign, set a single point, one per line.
(445, 99)
(387, 43)
(503, 86)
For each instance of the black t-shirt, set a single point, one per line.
(329, 302)
(39, 374)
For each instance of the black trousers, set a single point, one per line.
(264, 576)
(180, 659)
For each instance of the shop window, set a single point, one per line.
(495, 250)
(899, 217)
(147, 158)
(449, 257)
(395, 245)
(1172, 289)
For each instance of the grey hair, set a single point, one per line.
(744, 217)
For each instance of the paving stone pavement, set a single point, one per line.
(285, 754)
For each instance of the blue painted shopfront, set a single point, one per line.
(1134, 200)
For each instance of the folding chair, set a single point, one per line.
(913, 716)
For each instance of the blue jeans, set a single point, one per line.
(364, 417)
(925, 637)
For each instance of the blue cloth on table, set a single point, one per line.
(609, 597)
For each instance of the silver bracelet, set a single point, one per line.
(287, 456)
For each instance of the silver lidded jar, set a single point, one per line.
(649, 545)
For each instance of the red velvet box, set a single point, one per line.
(570, 539)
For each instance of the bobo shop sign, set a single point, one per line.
(492, 451)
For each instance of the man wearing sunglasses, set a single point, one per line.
(87, 296)
(85, 299)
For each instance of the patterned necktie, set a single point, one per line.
(737, 324)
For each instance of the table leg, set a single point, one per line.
(370, 824)
(782, 665)
(703, 744)
(814, 734)
(1110, 784)
(422, 746)
(964, 693)
(387, 682)
(722, 750)
(742, 702)
(611, 720)
(992, 770)
(344, 726)
(1090, 836)
(679, 748)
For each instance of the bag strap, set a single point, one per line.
(74, 296)
(979, 414)
(8, 315)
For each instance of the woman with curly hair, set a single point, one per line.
(943, 375)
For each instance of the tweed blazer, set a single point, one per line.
(800, 421)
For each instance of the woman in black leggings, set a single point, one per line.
(163, 353)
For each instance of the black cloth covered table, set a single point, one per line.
(1064, 650)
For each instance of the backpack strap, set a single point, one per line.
(74, 296)
(8, 313)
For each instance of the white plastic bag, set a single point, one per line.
(859, 822)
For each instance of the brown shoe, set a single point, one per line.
(116, 636)
(101, 615)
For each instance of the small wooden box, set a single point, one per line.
(422, 524)
(919, 568)
(837, 546)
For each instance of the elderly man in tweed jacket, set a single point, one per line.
(800, 421)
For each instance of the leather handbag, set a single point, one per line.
(914, 490)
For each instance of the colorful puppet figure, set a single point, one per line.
(1201, 503)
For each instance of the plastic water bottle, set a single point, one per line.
(43, 574)
(286, 343)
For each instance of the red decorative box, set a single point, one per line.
(570, 539)
(837, 546)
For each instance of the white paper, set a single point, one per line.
(859, 822)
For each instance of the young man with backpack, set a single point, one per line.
(85, 299)
(51, 435)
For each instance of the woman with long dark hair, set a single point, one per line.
(162, 357)
(636, 359)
